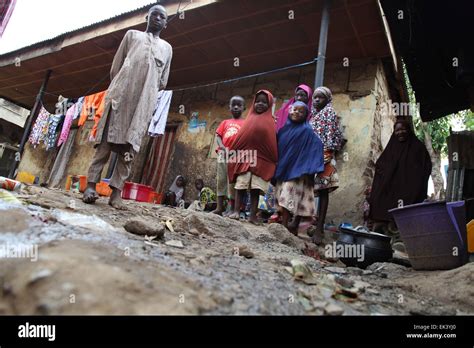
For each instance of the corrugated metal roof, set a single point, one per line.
(88, 27)
(205, 45)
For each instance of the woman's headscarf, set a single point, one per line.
(178, 191)
(325, 122)
(257, 136)
(300, 151)
(282, 114)
(325, 91)
(401, 175)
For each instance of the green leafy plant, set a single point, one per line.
(434, 134)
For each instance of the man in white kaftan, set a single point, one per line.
(140, 69)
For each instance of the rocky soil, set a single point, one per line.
(182, 262)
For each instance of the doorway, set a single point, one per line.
(158, 159)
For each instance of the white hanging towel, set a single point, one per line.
(160, 116)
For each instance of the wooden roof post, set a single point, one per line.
(30, 121)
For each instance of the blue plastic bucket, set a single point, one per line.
(434, 234)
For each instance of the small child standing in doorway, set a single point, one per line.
(254, 154)
(225, 135)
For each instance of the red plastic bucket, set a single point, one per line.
(136, 192)
(143, 194)
(158, 198)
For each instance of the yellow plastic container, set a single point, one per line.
(25, 178)
(470, 236)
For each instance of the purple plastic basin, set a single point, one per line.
(434, 234)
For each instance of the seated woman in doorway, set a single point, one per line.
(325, 124)
(303, 93)
(175, 195)
(300, 157)
(401, 178)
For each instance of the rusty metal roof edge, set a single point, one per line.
(58, 39)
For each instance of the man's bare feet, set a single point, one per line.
(115, 200)
(217, 212)
(234, 216)
(90, 194)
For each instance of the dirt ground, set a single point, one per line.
(204, 264)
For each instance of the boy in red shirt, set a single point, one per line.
(225, 135)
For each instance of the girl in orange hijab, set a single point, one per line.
(253, 154)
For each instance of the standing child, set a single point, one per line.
(303, 93)
(139, 71)
(325, 124)
(254, 154)
(300, 157)
(225, 135)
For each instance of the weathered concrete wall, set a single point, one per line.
(39, 162)
(82, 153)
(367, 131)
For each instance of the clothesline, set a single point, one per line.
(221, 82)
(247, 76)
(88, 91)
(54, 95)
(96, 101)
(179, 11)
(218, 82)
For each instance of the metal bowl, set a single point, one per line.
(370, 247)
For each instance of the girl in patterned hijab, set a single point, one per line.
(325, 124)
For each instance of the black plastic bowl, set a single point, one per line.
(376, 247)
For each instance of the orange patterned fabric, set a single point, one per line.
(93, 108)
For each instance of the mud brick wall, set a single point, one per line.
(39, 162)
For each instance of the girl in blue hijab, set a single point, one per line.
(300, 157)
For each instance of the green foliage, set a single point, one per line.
(438, 129)
(467, 117)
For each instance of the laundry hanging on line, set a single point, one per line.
(53, 126)
(40, 128)
(160, 116)
(67, 124)
(50, 130)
